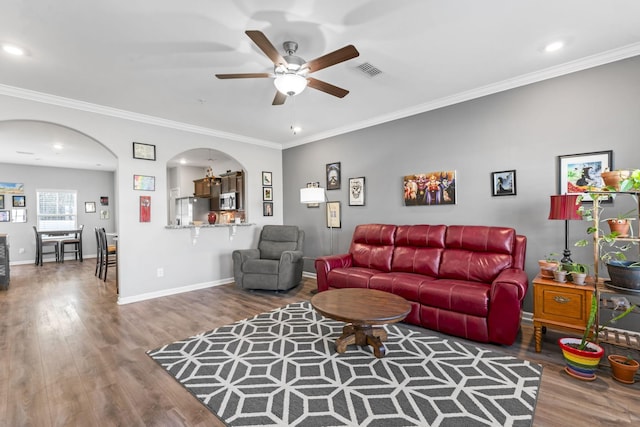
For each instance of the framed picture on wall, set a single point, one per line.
(19, 201)
(18, 215)
(503, 183)
(267, 178)
(144, 182)
(144, 151)
(267, 193)
(333, 176)
(5, 216)
(356, 191)
(579, 173)
(145, 208)
(1, 201)
(333, 215)
(90, 207)
(267, 209)
(430, 188)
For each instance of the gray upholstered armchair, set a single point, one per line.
(276, 264)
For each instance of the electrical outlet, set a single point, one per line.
(160, 272)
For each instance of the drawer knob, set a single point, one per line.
(561, 300)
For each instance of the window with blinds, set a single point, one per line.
(57, 209)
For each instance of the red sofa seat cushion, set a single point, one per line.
(406, 285)
(352, 277)
(456, 295)
(372, 246)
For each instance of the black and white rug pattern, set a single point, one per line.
(280, 369)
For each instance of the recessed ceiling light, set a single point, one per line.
(554, 46)
(13, 49)
(58, 146)
(183, 161)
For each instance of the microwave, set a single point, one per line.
(227, 201)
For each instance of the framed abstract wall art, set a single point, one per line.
(144, 182)
(356, 191)
(503, 183)
(579, 173)
(430, 188)
(145, 208)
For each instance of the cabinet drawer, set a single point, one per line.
(562, 305)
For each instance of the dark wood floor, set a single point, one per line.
(70, 356)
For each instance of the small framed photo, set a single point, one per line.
(144, 151)
(104, 201)
(267, 193)
(145, 208)
(1, 201)
(144, 182)
(18, 215)
(503, 183)
(5, 216)
(267, 179)
(333, 176)
(580, 173)
(267, 208)
(90, 207)
(104, 213)
(356, 191)
(333, 215)
(19, 202)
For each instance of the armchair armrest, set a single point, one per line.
(290, 257)
(327, 263)
(241, 255)
(505, 306)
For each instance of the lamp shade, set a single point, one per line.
(290, 83)
(312, 195)
(565, 207)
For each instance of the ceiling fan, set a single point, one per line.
(291, 72)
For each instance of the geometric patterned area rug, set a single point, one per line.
(281, 369)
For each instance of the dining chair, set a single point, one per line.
(108, 254)
(98, 253)
(75, 242)
(41, 244)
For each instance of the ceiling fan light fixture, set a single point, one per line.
(290, 84)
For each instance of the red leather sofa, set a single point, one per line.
(467, 281)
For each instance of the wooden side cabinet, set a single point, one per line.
(563, 306)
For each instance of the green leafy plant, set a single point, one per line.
(632, 183)
(592, 320)
(575, 267)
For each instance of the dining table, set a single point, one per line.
(54, 235)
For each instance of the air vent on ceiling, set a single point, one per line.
(369, 69)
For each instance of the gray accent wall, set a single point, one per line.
(525, 129)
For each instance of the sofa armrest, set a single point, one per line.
(505, 305)
(327, 263)
(290, 257)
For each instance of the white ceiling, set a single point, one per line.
(158, 58)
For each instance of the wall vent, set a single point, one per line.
(369, 69)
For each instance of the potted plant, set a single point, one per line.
(623, 368)
(581, 355)
(621, 223)
(613, 179)
(560, 275)
(577, 272)
(548, 265)
(632, 182)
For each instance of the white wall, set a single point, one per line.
(145, 247)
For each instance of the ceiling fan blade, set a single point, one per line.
(265, 45)
(332, 58)
(243, 76)
(326, 87)
(279, 98)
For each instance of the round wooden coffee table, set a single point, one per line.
(364, 310)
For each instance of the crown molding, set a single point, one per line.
(60, 101)
(610, 56)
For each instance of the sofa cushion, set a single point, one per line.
(456, 295)
(372, 246)
(406, 285)
(352, 277)
(476, 253)
(418, 249)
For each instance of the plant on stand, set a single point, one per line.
(581, 355)
(548, 265)
(577, 272)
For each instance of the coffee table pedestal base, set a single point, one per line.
(363, 335)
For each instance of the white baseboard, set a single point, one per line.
(172, 291)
